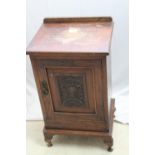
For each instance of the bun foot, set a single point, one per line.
(110, 149)
(48, 138)
(49, 144)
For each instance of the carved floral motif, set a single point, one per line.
(71, 90)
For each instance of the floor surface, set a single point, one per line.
(75, 145)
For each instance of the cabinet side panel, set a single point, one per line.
(36, 76)
(105, 90)
(109, 80)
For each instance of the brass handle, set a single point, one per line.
(44, 88)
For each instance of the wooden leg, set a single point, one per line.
(49, 142)
(109, 142)
(48, 138)
(110, 149)
(109, 139)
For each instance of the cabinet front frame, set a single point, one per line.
(50, 117)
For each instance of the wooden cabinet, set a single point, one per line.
(69, 59)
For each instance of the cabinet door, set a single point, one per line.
(72, 93)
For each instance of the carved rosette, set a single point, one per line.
(71, 90)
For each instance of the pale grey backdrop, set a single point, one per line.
(118, 10)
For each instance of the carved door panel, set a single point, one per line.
(72, 94)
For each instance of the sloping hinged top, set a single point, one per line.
(81, 35)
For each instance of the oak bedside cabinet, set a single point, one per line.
(71, 64)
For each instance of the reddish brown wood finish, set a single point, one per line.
(73, 35)
(69, 59)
